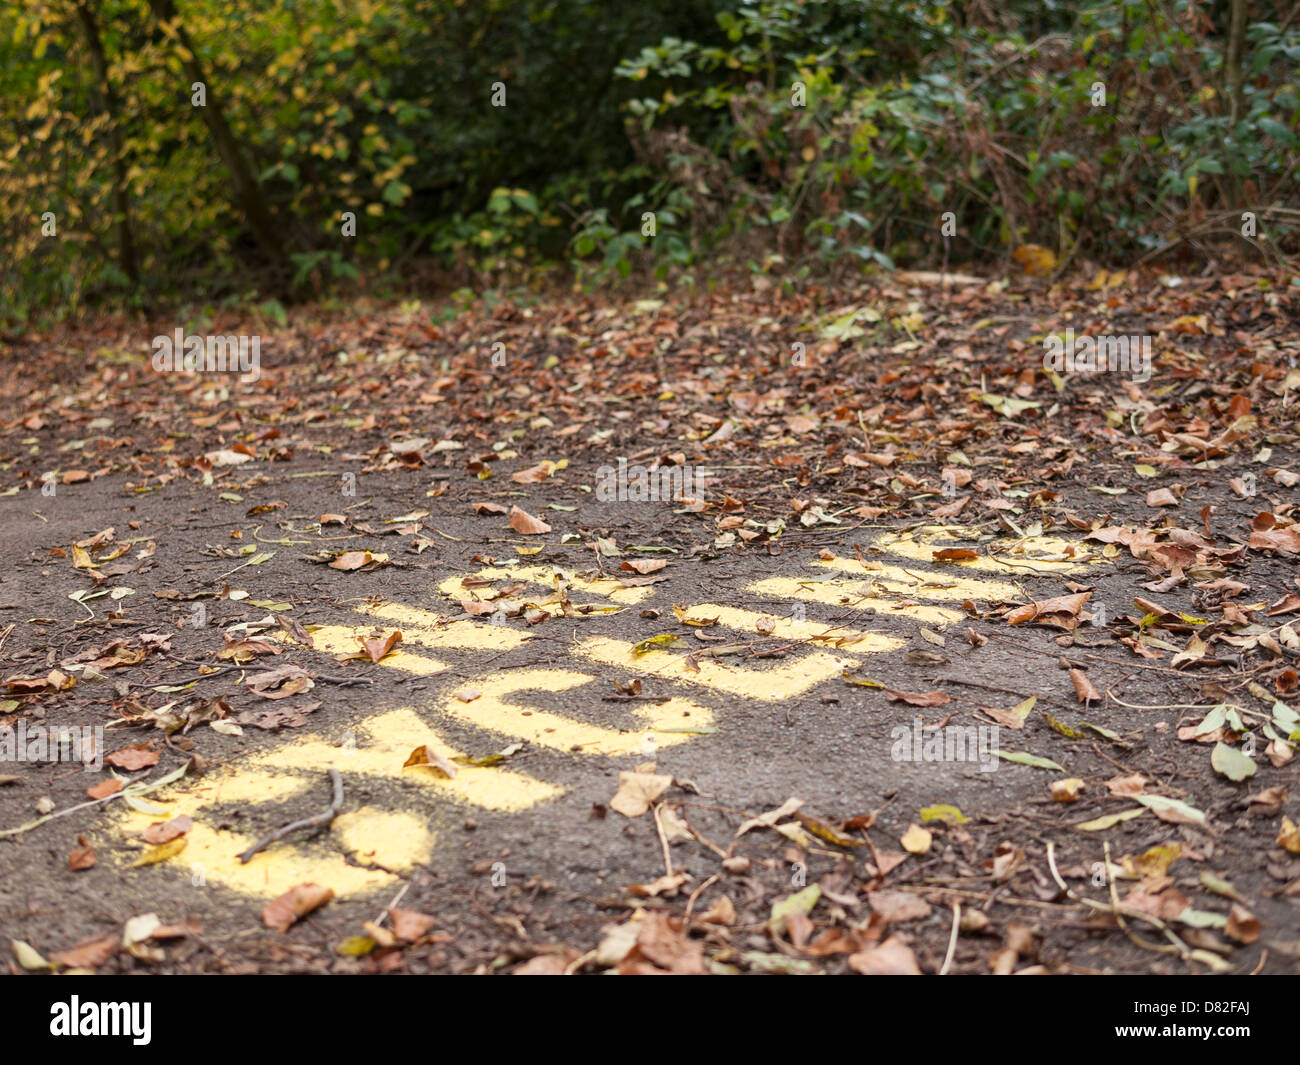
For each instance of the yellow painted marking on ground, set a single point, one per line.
(248, 788)
(400, 839)
(392, 736)
(606, 587)
(854, 595)
(879, 590)
(381, 837)
(396, 840)
(947, 583)
(821, 633)
(1028, 558)
(769, 683)
(341, 640)
(214, 854)
(498, 710)
(428, 629)
(276, 869)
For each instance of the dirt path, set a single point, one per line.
(822, 611)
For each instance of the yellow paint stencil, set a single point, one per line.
(891, 589)
(1034, 555)
(387, 739)
(605, 587)
(499, 709)
(397, 840)
(855, 595)
(427, 629)
(342, 640)
(770, 682)
(397, 828)
(947, 583)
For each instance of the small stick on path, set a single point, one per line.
(321, 820)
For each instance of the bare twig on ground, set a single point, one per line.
(318, 822)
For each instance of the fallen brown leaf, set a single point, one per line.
(136, 756)
(1083, 688)
(525, 524)
(293, 905)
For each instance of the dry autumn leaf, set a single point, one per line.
(637, 791)
(88, 954)
(525, 524)
(934, 698)
(426, 757)
(82, 856)
(955, 554)
(410, 925)
(534, 474)
(1083, 689)
(643, 565)
(1067, 790)
(166, 831)
(351, 560)
(105, 788)
(916, 840)
(295, 904)
(136, 756)
(376, 647)
(893, 957)
(1063, 604)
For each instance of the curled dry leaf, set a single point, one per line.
(136, 756)
(955, 554)
(723, 912)
(1243, 926)
(525, 524)
(769, 819)
(893, 957)
(1083, 688)
(105, 788)
(280, 683)
(166, 831)
(534, 474)
(636, 791)
(1067, 790)
(426, 757)
(294, 905)
(897, 907)
(241, 651)
(376, 647)
(1288, 836)
(87, 954)
(1061, 604)
(644, 565)
(82, 856)
(351, 560)
(668, 885)
(1133, 784)
(410, 925)
(916, 840)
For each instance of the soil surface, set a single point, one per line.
(825, 617)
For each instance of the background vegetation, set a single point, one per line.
(689, 110)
